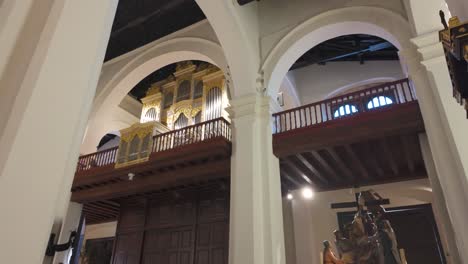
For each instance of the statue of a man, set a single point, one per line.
(344, 247)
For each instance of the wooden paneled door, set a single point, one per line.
(176, 228)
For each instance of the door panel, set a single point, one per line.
(175, 228)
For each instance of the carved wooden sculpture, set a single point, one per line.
(369, 239)
(454, 39)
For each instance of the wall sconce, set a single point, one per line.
(52, 248)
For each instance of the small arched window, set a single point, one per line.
(379, 101)
(198, 92)
(168, 98)
(344, 110)
(183, 92)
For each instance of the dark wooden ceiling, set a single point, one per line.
(383, 160)
(370, 148)
(358, 47)
(139, 22)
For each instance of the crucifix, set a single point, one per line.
(355, 204)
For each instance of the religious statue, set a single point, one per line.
(454, 38)
(328, 256)
(368, 239)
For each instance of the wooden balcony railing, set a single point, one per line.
(97, 159)
(192, 134)
(344, 106)
(188, 135)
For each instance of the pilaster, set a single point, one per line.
(256, 223)
(45, 126)
(445, 121)
(439, 206)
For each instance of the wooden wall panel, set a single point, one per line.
(212, 243)
(128, 247)
(183, 227)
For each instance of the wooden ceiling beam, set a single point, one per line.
(94, 207)
(343, 167)
(325, 165)
(407, 150)
(97, 215)
(288, 177)
(356, 160)
(388, 155)
(298, 172)
(372, 158)
(311, 167)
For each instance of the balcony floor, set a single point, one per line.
(100, 189)
(375, 147)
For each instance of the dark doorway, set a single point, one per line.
(416, 232)
(98, 251)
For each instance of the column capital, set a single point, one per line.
(252, 104)
(429, 46)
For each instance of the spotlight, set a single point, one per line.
(130, 176)
(289, 196)
(307, 193)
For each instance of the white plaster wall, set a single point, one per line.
(278, 17)
(458, 8)
(316, 82)
(314, 221)
(290, 94)
(116, 118)
(100, 230)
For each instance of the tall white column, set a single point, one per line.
(307, 251)
(47, 118)
(445, 121)
(442, 217)
(256, 221)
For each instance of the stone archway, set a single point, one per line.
(119, 76)
(353, 20)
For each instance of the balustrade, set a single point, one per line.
(344, 106)
(188, 135)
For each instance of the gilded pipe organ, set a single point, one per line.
(191, 95)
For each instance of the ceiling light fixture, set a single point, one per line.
(289, 196)
(307, 193)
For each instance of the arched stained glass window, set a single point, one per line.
(183, 93)
(379, 101)
(344, 110)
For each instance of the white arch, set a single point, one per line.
(116, 82)
(119, 76)
(352, 20)
(236, 28)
